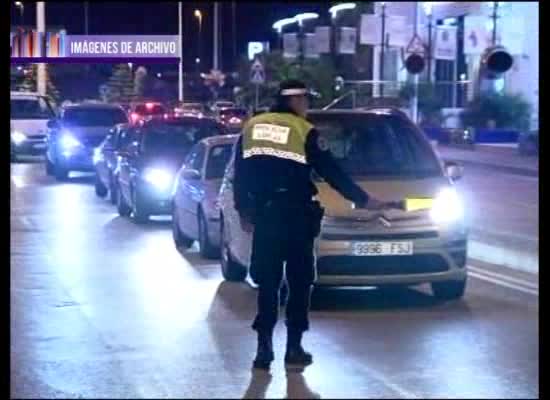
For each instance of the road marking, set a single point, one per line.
(504, 277)
(505, 284)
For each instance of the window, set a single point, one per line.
(198, 161)
(374, 145)
(217, 161)
(37, 108)
(94, 116)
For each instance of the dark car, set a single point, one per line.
(147, 167)
(106, 156)
(233, 118)
(72, 137)
(147, 110)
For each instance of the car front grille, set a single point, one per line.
(381, 265)
(381, 236)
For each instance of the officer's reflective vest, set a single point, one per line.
(281, 135)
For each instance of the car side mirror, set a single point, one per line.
(191, 174)
(52, 124)
(453, 170)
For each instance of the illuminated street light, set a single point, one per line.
(428, 6)
(197, 60)
(159, 75)
(340, 7)
(280, 24)
(19, 4)
(305, 16)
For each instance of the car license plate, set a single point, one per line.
(39, 146)
(382, 248)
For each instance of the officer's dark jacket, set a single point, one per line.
(258, 178)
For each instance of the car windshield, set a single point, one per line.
(175, 135)
(94, 116)
(217, 161)
(37, 108)
(377, 144)
(156, 109)
(233, 112)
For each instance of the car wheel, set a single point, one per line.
(207, 250)
(180, 240)
(61, 174)
(138, 212)
(112, 191)
(100, 189)
(49, 167)
(449, 290)
(231, 270)
(123, 209)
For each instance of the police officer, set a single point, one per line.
(273, 195)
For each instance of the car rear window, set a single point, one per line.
(94, 116)
(161, 135)
(38, 108)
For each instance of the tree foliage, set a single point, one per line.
(120, 86)
(510, 111)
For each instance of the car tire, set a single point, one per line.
(50, 170)
(112, 191)
(139, 215)
(180, 240)
(207, 249)
(123, 209)
(449, 290)
(231, 270)
(61, 174)
(100, 189)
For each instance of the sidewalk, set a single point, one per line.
(504, 159)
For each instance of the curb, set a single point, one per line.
(496, 167)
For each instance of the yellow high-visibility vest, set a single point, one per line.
(281, 135)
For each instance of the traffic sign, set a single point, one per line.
(416, 45)
(257, 73)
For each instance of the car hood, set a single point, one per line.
(88, 135)
(385, 190)
(29, 127)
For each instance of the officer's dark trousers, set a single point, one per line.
(282, 233)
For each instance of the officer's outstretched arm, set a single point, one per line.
(240, 178)
(320, 158)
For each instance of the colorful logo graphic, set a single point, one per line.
(30, 43)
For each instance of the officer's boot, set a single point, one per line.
(264, 355)
(295, 353)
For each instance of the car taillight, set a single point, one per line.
(134, 117)
(149, 105)
(235, 120)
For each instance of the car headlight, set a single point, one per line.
(97, 155)
(159, 178)
(447, 207)
(68, 141)
(18, 137)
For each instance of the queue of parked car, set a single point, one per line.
(180, 163)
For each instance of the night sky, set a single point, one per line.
(253, 21)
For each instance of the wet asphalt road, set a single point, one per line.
(101, 307)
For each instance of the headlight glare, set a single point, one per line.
(18, 137)
(447, 207)
(68, 141)
(159, 178)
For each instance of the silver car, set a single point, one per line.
(195, 211)
(388, 156)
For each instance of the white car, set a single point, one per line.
(389, 157)
(195, 211)
(29, 115)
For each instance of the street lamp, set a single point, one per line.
(19, 4)
(428, 10)
(198, 15)
(279, 25)
(340, 7)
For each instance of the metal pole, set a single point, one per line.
(41, 28)
(86, 17)
(415, 79)
(256, 101)
(454, 83)
(234, 31)
(494, 17)
(382, 48)
(216, 32)
(430, 26)
(180, 64)
(301, 44)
